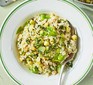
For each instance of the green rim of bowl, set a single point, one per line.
(21, 5)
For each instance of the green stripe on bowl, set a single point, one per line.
(21, 5)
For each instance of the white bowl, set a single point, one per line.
(66, 9)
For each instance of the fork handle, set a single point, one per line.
(61, 74)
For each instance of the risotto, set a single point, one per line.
(44, 42)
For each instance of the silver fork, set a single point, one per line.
(68, 59)
(63, 67)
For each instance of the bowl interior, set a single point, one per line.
(14, 38)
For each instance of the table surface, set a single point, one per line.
(4, 78)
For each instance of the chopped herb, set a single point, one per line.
(70, 64)
(28, 41)
(61, 27)
(34, 69)
(20, 29)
